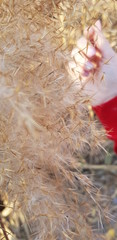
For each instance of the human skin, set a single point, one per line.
(93, 66)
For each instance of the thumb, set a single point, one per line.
(98, 25)
(95, 35)
(89, 32)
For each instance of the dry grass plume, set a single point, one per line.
(43, 115)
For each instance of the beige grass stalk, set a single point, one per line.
(44, 118)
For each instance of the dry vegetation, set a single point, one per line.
(44, 119)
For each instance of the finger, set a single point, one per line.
(95, 36)
(74, 69)
(72, 64)
(90, 31)
(81, 65)
(98, 25)
(92, 53)
(77, 70)
(76, 53)
(85, 48)
(79, 58)
(89, 66)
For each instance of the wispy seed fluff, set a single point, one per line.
(44, 122)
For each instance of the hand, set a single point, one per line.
(94, 66)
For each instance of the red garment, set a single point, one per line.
(107, 114)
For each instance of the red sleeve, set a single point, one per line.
(107, 113)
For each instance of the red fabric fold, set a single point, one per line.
(107, 113)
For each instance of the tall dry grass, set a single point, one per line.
(44, 117)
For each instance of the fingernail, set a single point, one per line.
(91, 51)
(88, 66)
